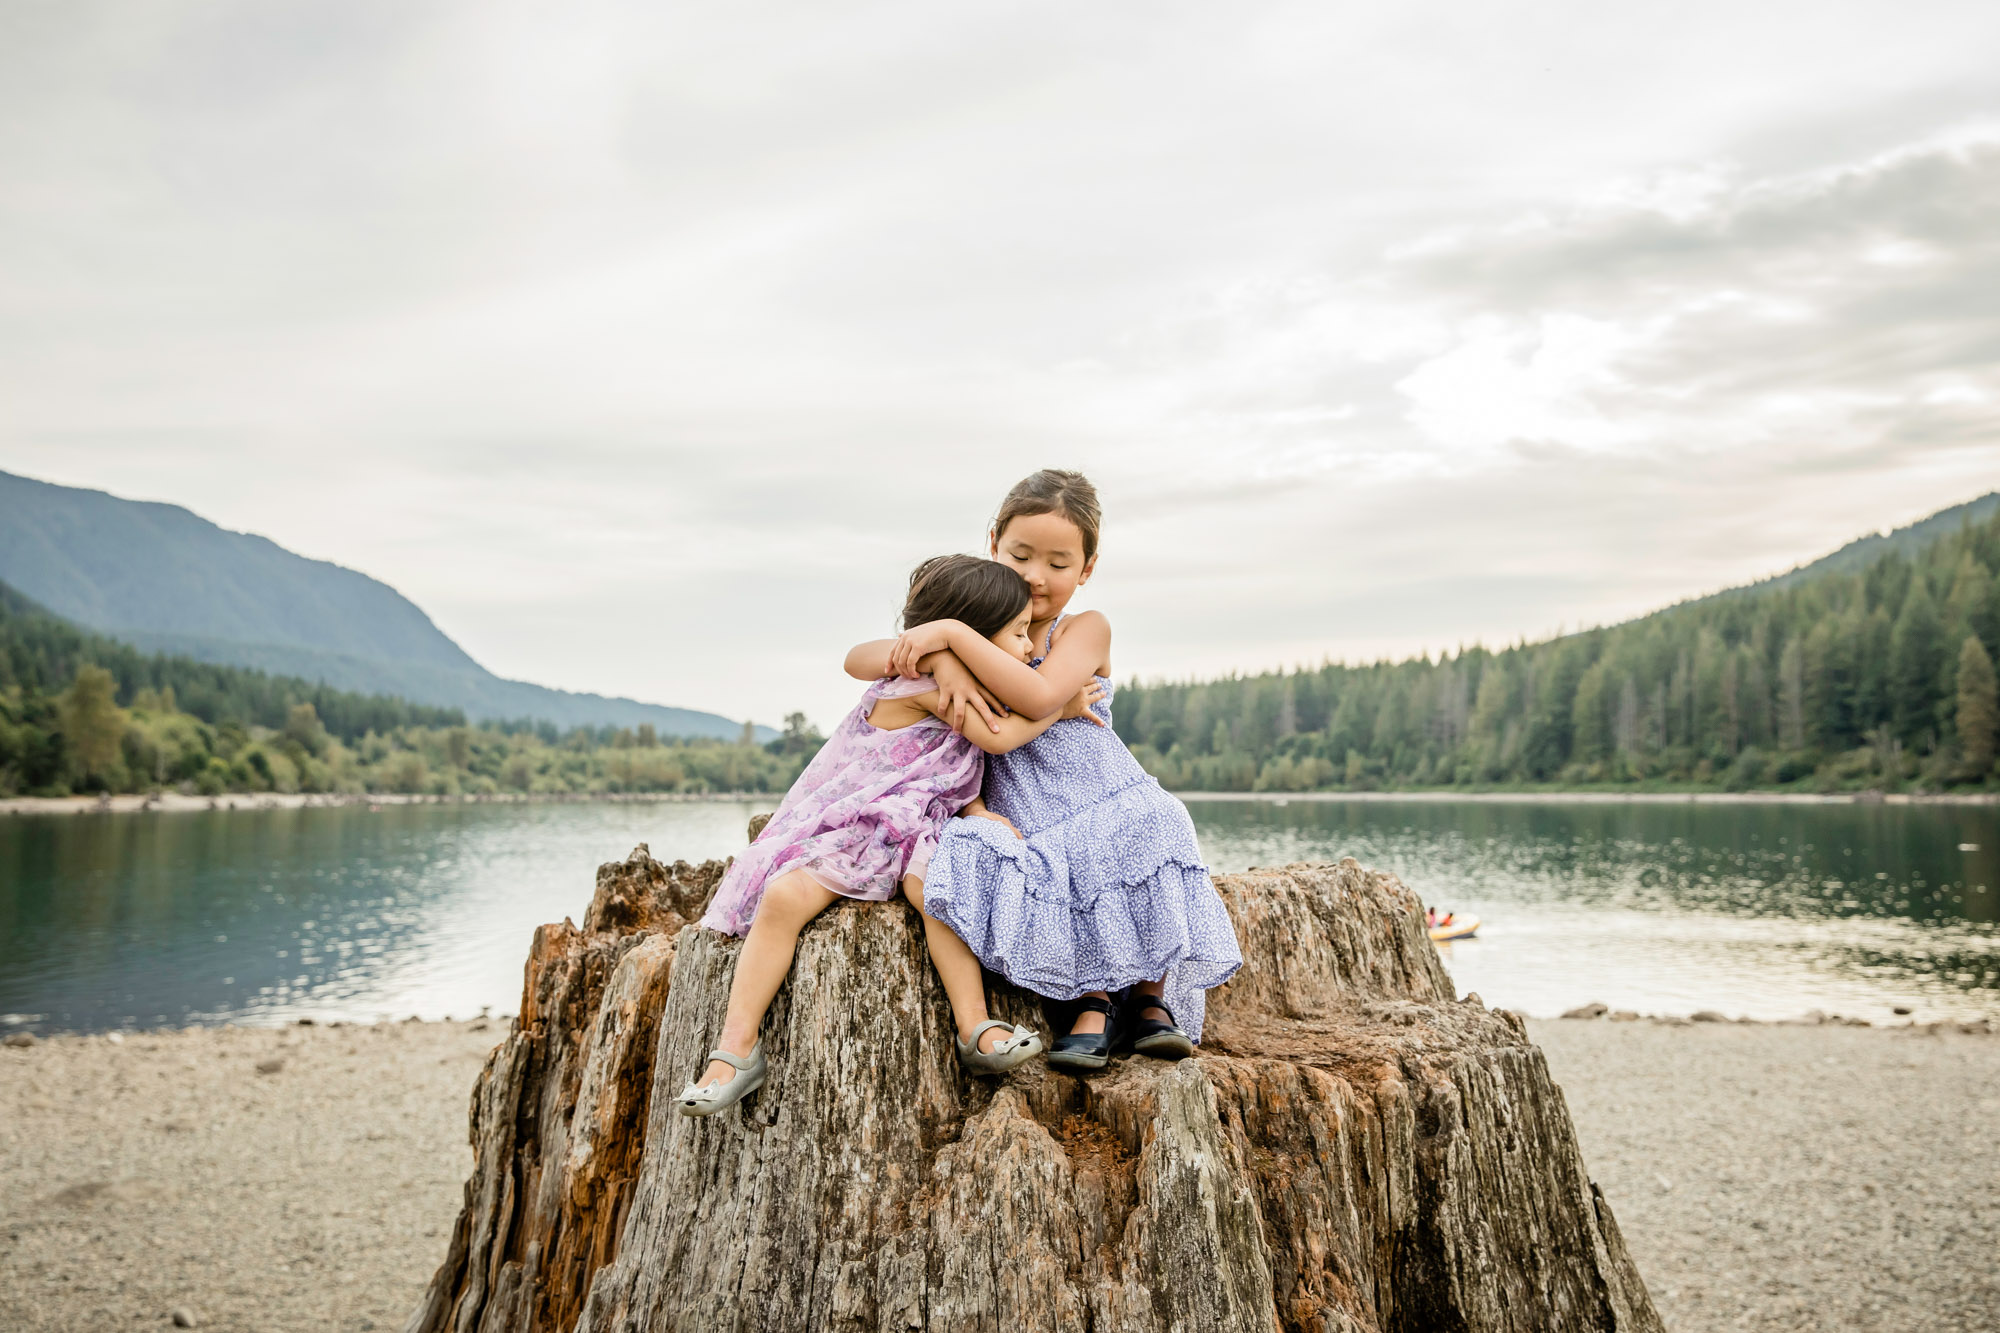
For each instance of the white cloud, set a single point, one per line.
(1533, 383)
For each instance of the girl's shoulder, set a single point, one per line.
(893, 703)
(1093, 624)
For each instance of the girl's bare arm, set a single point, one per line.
(1084, 647)
(869, 661)
(963, 695)
(1014, 730)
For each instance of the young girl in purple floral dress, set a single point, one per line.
(1094, 893)
(864, 818)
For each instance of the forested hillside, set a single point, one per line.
(1862, 552)
(1872, 676)
(169, 581)
(83, 713)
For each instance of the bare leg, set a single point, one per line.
(789, 902)
(1090, 1021)
(1151, 990)
(958, 968)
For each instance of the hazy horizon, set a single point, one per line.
(647, 351)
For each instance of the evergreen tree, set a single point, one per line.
(1978, 710)
(1834, 681)
(1873, 645)
(1590, 720)
(1916, 667)
(1832, 686)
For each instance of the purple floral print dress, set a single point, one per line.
(866, 811)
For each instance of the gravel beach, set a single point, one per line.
(1765, 1177)
(166, 1172)
(1795, 1178)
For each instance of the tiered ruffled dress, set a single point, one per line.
(1105, 886)
(866, 811)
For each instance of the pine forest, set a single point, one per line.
(1878, 678)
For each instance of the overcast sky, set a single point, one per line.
(646, 346)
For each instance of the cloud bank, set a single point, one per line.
(648, 348)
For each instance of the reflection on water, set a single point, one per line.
(120, 920)
(140, 920)
(1761, 909)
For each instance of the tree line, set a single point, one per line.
(83, 713)
(1878, 678)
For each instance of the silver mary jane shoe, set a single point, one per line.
(1018, 1049)
(707, 1100)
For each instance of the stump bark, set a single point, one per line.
(1353, 1148)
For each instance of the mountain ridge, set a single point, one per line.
(1864, 551)
(163, 578)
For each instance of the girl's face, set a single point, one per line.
(1047, 551)
(1015, 639)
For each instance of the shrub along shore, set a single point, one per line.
(174, 802)
(81, 714)
(152, 747)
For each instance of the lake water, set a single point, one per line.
(116, 921)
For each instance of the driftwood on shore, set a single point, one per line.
(1353, 1148)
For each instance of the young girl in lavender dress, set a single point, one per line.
(864, 818)
(1094, 893)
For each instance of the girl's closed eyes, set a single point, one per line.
(1103, 889)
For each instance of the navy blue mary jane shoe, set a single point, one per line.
(1085, 1050)
(1149, 1036)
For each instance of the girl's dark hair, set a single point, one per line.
(983, 594)
(1053, 491)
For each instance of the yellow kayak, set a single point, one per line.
(1462, 928)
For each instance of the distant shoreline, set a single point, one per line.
(175, 803)
(1560, 797)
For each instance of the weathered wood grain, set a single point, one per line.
(1353, 1148)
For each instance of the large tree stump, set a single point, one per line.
(1353, 1148)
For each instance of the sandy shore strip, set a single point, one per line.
(176, 803)
(1766, 1177)
(1598, 797)
(173, 802)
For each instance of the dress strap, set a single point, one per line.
(899, 687)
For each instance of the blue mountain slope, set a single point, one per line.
(124, 565)
(168, 580)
